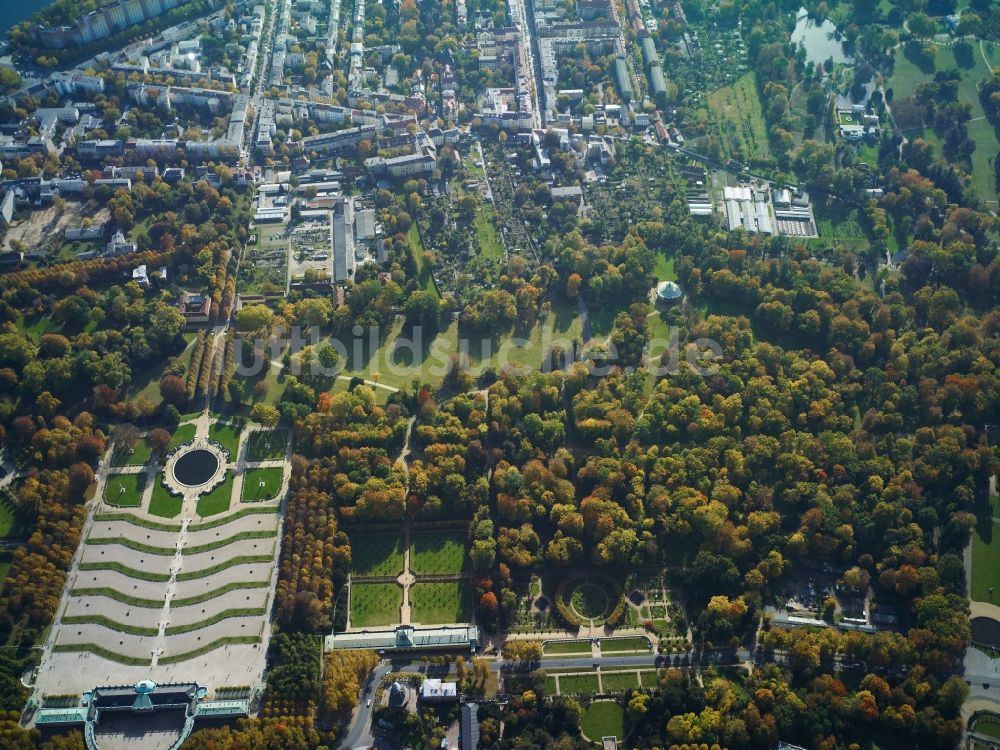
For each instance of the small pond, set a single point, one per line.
(196, 467)
(819, 39)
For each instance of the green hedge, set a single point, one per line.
(108, 623)
(618, 613)
(232, 640)
(140, 575)
(564, 613)
(124, 541)
(239, 537)
(118, 596)
(208, 595)
(69, 648)
(202, 526)
(225, 614)
(232, 562)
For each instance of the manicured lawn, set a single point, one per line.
(227, 435)
(138, 457)
(125, 490)
(375, 604)
(619, 681)
(398, 368)
(183, 434)
(566, 647)
(162, 503)
(217, 501)
(377, 554)
(437, 552)
(637, 645)
(738, 120)
(603, 719)
(989, 726)
(265, 445)
(664, 268)
(986, 561)
(440, 603)
(578, 683)
(253, 492)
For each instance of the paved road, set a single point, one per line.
(359, 735)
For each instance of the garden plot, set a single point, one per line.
(738, 121)
(118, 585)
(311, 248)
(230, 601)
(437, 552)
(244, 572)
(264, 268)
(215, 628)
(377, 554)
(119, 644)
(440, 603)
(105, 609)
(231, 552)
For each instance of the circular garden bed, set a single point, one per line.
(589, 600)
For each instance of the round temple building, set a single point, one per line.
(668, 294)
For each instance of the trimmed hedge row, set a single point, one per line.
(190, 575)
(141, 575)
(229, 640)
(93, 648)
(225, 614)
(564, 613)
(107, 622)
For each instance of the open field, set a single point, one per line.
(986, 561)
(375, 604)
(437, 552)
(440, 603)
(525, 346)
(737, 120)
(909, 72)
(253, 492)
(603, 719)
(377, 554)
